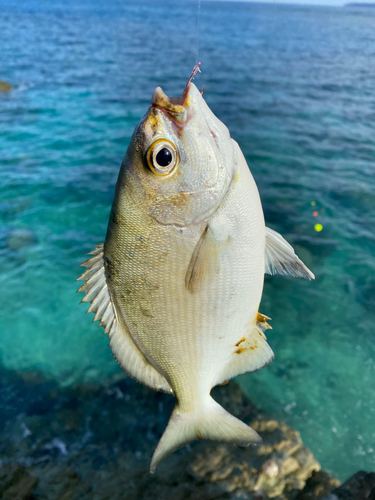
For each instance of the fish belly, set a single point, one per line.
(189, 336)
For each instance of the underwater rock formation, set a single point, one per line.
(16, 483)
(20, 237)
(361, 486)
(94, 442)
(278, 466)
(5, 86)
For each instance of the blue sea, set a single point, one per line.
(296, 87)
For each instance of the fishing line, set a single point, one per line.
(198, 30)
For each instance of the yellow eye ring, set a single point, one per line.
(162, 157)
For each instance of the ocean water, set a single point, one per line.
(296, 87)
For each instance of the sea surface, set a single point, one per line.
(296, 87)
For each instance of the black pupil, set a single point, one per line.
(164, 157)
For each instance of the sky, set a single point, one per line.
(336, 3)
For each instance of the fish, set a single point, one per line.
(178, 281)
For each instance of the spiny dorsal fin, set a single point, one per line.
(261, 323)
(204, 261)
(281, 259)
(123, 347)
(96, 290)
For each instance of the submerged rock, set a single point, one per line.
(61, 483)
(95, 441)
(5, 86)
(361, 486)
(16, 483)
(318, 486)
(19, 238)
(279, 465)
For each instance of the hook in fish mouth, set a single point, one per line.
(195, 71)
(174, 106)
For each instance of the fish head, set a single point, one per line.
(181, 158)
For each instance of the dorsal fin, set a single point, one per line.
(281, 259)
(131, 359)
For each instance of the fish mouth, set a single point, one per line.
(175, 107)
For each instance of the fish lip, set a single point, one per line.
(175, 107)
(161, 101)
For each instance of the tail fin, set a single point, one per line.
(213, 423)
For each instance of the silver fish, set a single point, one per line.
(178, 281)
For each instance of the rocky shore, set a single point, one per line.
(94, 442)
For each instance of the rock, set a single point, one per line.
(361, 486)
(16, 483)
(61, 483)
(19, 238)
(276, 467)
(318, 486)
(5, 86)
(95, 442)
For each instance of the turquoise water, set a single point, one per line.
(295, 85)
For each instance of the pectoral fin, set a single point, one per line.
(281, 259)
(204, 261)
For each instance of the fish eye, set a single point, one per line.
(162, 157)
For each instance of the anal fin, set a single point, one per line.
(250, 353)
(126, 352)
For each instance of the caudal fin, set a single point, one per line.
(213, 423)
